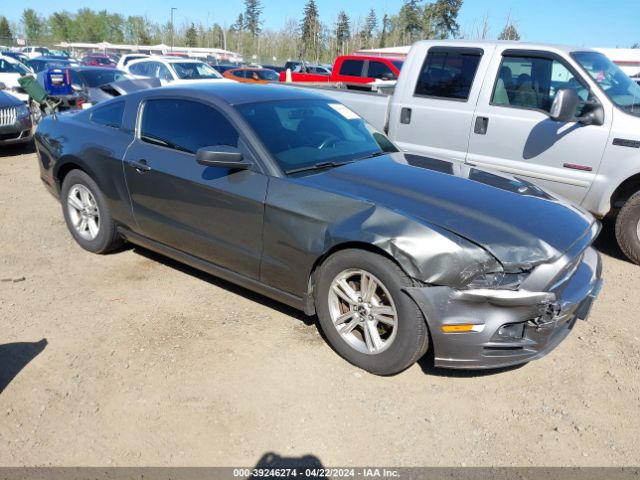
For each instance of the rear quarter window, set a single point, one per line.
(108, 115)
(380, 70)
(448, 73)
(140, 69)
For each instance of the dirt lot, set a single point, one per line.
(132, 359)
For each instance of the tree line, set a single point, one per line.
(310, 37)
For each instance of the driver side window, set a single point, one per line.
(532, 83)
(185, 125)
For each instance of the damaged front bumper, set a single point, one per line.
(508, 327)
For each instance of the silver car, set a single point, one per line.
(16, 125)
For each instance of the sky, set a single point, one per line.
(585, 23)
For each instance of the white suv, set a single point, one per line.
(173, 70)
(33, 52)
(129, 57)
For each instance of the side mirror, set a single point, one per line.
(222, 156)
(593, 113)
(564, 105)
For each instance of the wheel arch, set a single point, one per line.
(67, 164)
(623, 192)
(309, 303)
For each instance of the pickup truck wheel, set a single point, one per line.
(86, 214)
(628, 228)
(364, 314)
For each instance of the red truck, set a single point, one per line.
(354, 69)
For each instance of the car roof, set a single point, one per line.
(236, 93)
(515, 44)
(181, 60)
(250, 68)
(92, 68)
(158, 58)
(49, 58)
(372, 57)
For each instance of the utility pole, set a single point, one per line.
(172, 9)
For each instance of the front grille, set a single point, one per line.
(8, 116)
(10, 136)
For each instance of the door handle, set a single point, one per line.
(405, 115)
(141, 166)
(482, 123)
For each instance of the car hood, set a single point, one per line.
(8, 99)
(517, 222)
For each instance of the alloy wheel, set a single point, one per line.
(83, 212)
(362, 311)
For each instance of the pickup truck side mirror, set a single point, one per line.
(563, 108)
(222, 156)
(592, 113)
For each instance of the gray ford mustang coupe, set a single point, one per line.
(293, 195)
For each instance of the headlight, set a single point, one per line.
(498, 280)
(23, 111)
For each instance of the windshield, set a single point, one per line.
(95, 78)
(194, 71)
(620, 89)
(398, 64)
(12, 67)
(304, 133)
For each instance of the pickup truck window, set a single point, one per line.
(380, 70)
(185, 126)
(352, 68)
(448, 73)
(532, 82)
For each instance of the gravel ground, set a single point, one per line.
(131, 359)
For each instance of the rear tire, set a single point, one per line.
(365, 315)
(628, 228)
(87, 215)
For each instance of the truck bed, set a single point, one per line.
(372, 106)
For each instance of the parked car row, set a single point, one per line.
(350, 69)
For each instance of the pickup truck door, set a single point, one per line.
(432, 115)
(512, 131)
(213, 213)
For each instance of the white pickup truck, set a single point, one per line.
(565, 118)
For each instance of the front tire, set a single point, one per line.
(87, 215)
(628, 228)
(365, 315)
